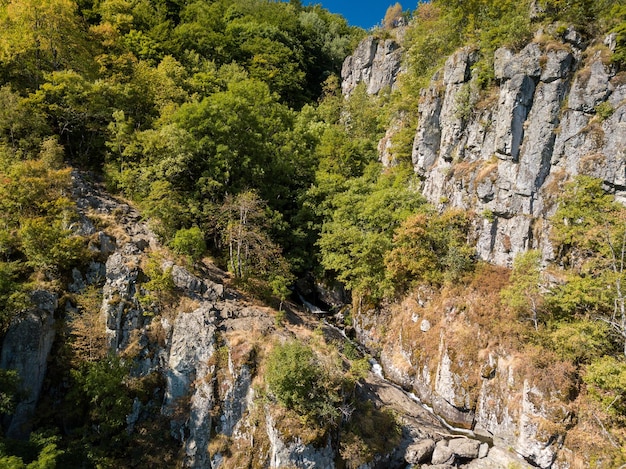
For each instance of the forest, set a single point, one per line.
(223, 121)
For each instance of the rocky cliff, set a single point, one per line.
(375, 62)
(206, 344)
(557, 109)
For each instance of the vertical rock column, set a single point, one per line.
(26, 348)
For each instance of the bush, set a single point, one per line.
(189, 242)
(299, 382)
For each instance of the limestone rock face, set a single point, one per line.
(375, 62)
(191, 347)
(26, 348)
(491, 397)
(508, 154)
(295, 453)
(120, 307)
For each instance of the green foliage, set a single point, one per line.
(432, 248)
(296, 378)
(189, 242)
(524, 294)
(618, 16)
(50, 247)
(359, 232)
(160, 288)
(101, 388)
(40, 452)
(9, 390)
(581, 341)
(370, 432)
(604, 110)
(606, 378)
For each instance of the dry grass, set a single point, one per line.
(488, 99)
(488, 169)
(591, 444)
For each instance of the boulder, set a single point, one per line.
(419, 452)
(464, 448)
(442, 454)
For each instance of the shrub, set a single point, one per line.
(299, 382)
(189, 242)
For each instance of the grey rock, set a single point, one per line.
(419, 452)
(573, 37)
(498, 458)
(442, 454)
(527, 62)
(96, 273)
(235, 401)
(25, 348)
(536, 10)
(591, 87)
(107, 244)
(539, 137)
(428, 137)
(78, 282)
(483, 451)
(559, 64)
(464, 448)
(516, 97)
(295, 453)
(193, 285)
(458, 66)
(192, 346)
(611, 41)
(374, 62)
(425, 325)
(120, 307)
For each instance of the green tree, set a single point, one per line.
(297, 379)
(430, 247)
(101, 387)
(42, 35)
(251, 252)
(189, 242)
(359, 230)
(589, 232)
(606, 378)
(525, 291)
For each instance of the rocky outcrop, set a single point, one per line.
(486, 392)
(504, 154)
(295, 453)
(26, 349)
(189, 396)
(375, 62)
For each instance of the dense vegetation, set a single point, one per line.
(224, 122)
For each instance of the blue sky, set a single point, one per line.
(364, 13)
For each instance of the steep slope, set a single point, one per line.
(557, 110)
(197, 349)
